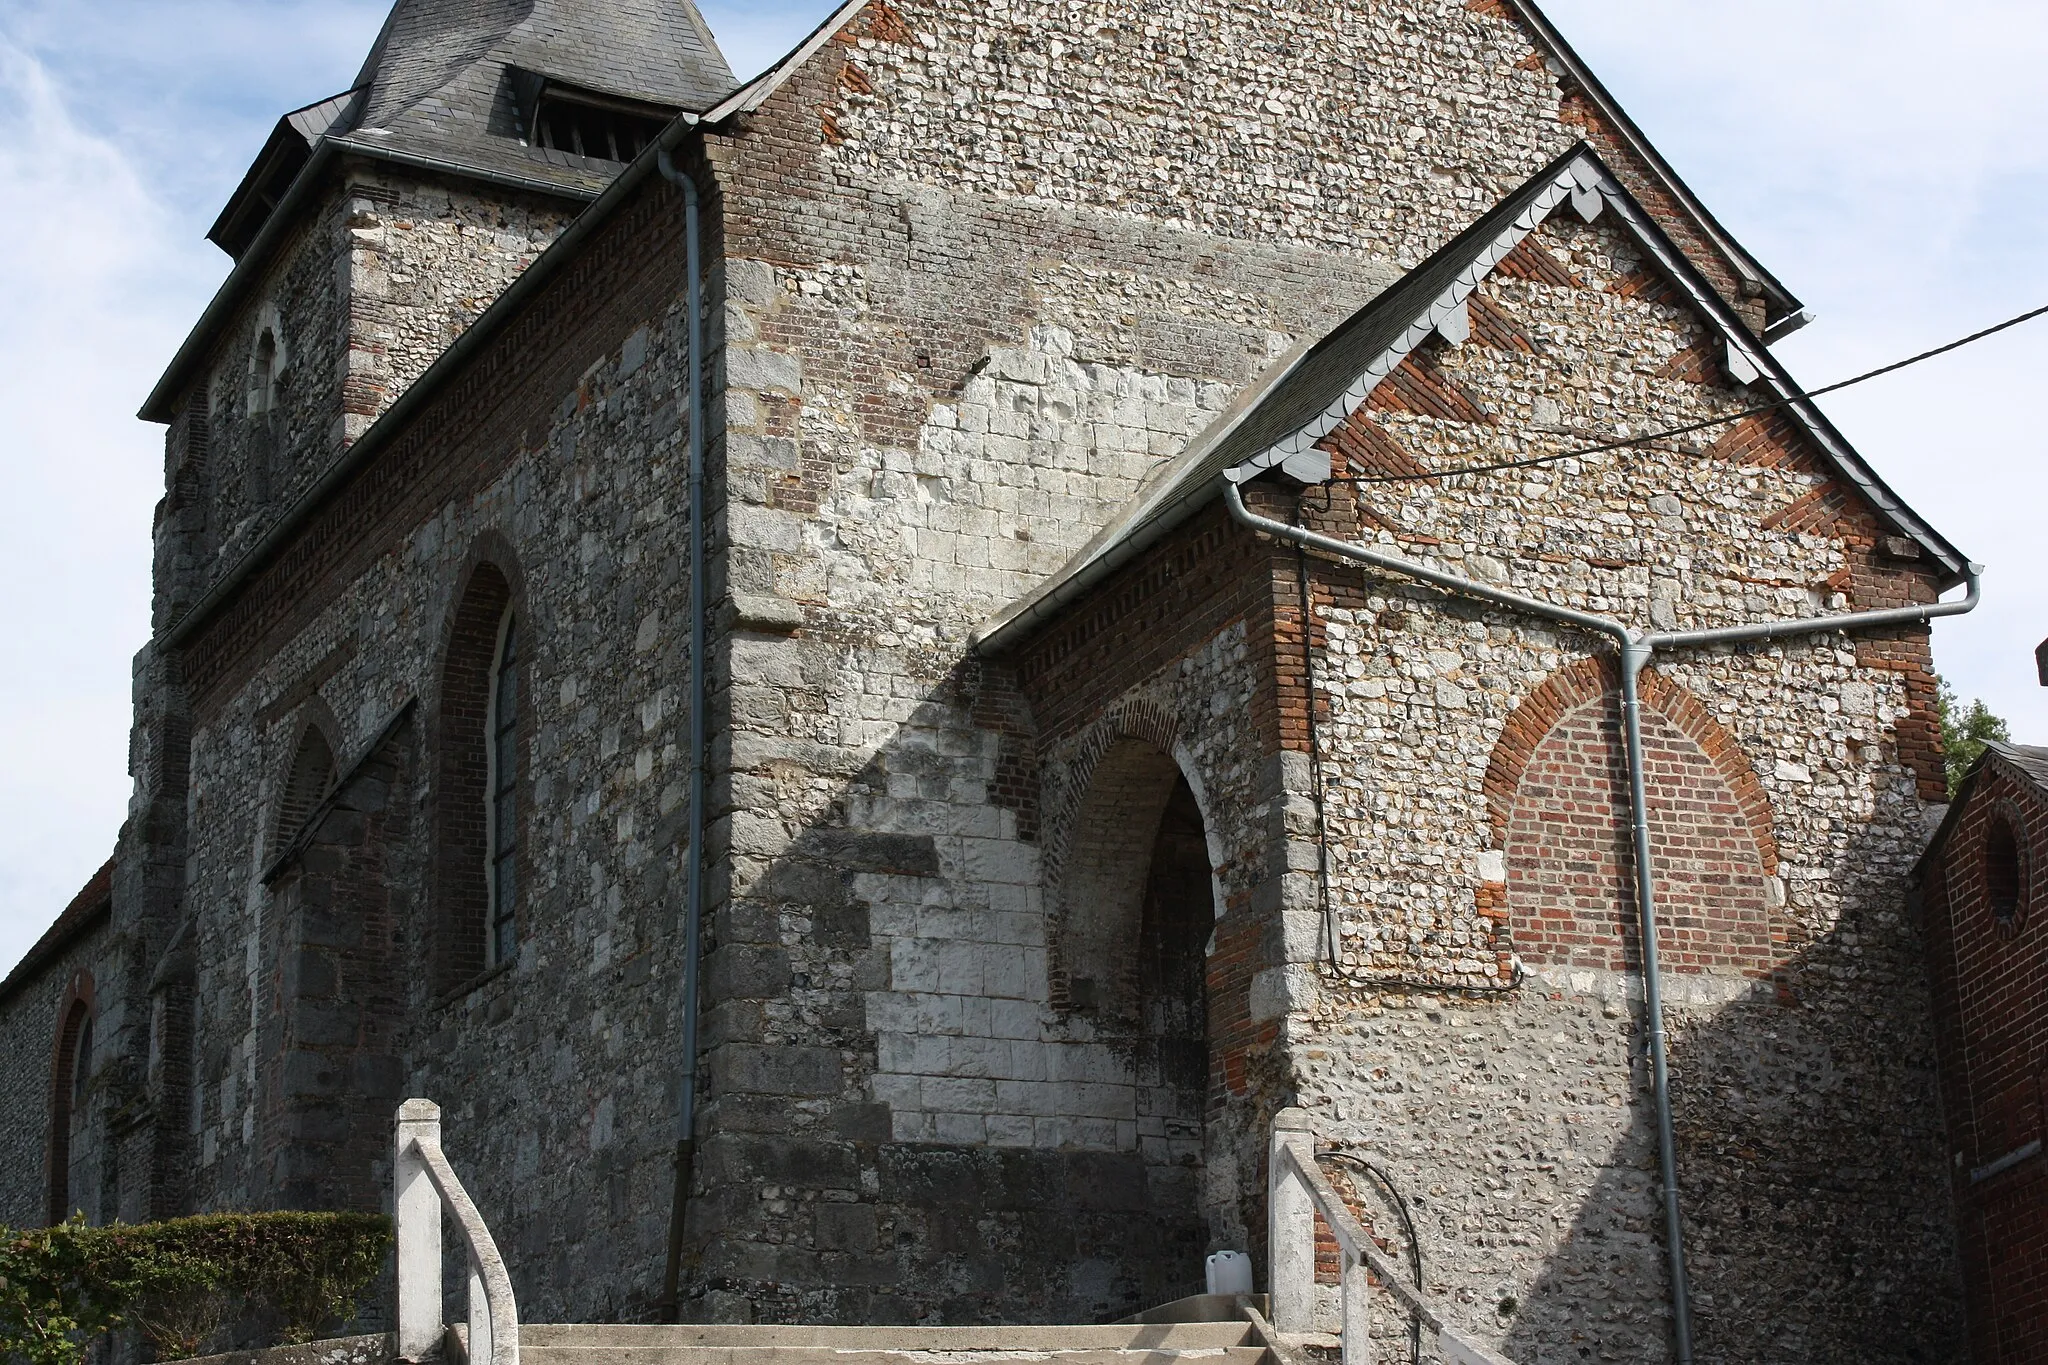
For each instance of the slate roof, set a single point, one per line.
(438, 82)
(1309, 392)
(2029, 762)
(439, 87)
(89, 909)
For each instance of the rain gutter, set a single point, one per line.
(1636, 649)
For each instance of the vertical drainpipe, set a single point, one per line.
(1636, 652)
(693, 905)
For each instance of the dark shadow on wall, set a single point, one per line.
(1818, 1225)
(811, 1204)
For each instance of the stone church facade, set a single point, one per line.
(1057, 827)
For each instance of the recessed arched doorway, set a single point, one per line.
(1137, 912)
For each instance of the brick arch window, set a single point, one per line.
(71, 1075)
(2005, 871)
(479, 778)
(308, 780)
(1558, 789)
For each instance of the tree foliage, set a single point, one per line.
(179, 1281)
(1964, 733)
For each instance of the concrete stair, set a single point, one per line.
(1126, 1343)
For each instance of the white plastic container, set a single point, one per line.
(1230, 1272)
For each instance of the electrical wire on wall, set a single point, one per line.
(1646, 440)
(1317, 795)
(1386, 1183)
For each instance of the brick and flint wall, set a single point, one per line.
(556, 462)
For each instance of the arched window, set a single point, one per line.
(2005, 884)
(312, 773)
(477, 741)
(69, 1083)
(263, 369)
(502, 812)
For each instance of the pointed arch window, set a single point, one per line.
(479, 729)
(502, 809)
(69, 1091)
(312, 773)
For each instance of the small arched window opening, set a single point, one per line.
(502, 804)
(2004, 873)
(263, 370)
(311, 775)
(81, 1066)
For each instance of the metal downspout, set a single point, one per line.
(693, 905)
(1637, 650)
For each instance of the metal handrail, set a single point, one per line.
(423, 1184)
(1298, 1192)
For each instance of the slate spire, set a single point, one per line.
(546, 94)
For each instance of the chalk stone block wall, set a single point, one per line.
(1982, 909)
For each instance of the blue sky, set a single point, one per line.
(1883, 158)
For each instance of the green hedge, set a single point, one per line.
(179, 1281)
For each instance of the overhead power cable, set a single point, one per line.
(1634, 442)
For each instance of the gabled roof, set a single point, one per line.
(1314, 389)
(1783, 312)
(440, 90)
(2028, 762)
(438, 80)
(89, 909)
(270, 175)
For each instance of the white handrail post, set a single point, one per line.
(1357, 1313)
(1291, 1225)
(479, 1318)
(416, 1211)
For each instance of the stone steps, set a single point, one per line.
(1127, 1343)
(830, 1355)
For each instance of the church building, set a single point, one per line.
(863, 673)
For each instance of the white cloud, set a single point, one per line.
(83, 279)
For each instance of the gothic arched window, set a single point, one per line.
(502, 805)
(312, 773)
(477, 796)
(71, 1078)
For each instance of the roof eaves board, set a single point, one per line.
(1746, 265)
(755, 92)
